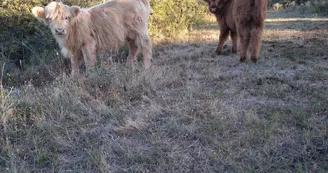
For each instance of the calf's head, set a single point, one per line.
(56, 16)
(216, 6)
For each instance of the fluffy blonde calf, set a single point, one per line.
(82, 32)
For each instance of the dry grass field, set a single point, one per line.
(193, 111)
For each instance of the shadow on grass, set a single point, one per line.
(300, 24)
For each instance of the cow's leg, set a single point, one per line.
(75, 63)
(224, 33)
(234, 39)
(146, 47)
(244, 36)
(255, 42)
(81, 63)
(133, 49)
(89, 53)
(140, 35)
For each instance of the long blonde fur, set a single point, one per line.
(106, 26)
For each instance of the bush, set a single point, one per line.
(321, 8)
(14, 24)
(170, 17)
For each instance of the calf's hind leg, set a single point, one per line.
(234, 39)
(255, 42)
(244, 36)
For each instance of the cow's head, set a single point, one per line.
(216, 6)
(56, 16)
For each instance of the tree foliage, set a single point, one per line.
(170, 17)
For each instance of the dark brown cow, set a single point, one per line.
(244, 20)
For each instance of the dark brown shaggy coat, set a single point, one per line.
(244, 20)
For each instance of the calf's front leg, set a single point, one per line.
(75, 63)
(89, 54)
(224, 33)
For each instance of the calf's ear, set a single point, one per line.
(38, 12)
(75, 10)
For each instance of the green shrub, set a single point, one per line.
(170, 17)
(21, 37)
(321, 8)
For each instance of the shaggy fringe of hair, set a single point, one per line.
(55, 10)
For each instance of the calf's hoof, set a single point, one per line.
(218, 51)
(147, 64)
(254, 59)
(242, 59)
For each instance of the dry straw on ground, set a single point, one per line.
(193, 111)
